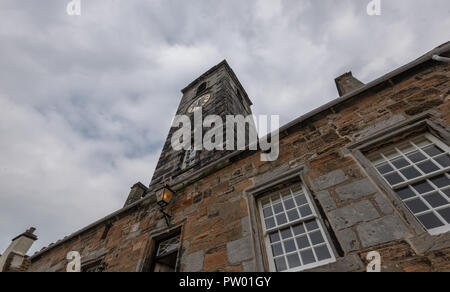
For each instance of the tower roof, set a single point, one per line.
(225, 64)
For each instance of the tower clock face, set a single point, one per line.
(199, 102)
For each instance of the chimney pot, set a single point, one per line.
(31, 230)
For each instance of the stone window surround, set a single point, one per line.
(253, 194)
(153, 240)
(427, 122)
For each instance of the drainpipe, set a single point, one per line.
(441, 59)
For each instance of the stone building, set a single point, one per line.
(368, 171)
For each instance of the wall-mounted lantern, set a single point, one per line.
(163, 198)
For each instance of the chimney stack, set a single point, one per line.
(347, 83)
(13, 258)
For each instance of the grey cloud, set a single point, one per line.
(86, 102)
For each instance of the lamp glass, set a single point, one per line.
(164, 196)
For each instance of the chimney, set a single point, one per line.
(13, 258)
(137, 192)
(347, 83)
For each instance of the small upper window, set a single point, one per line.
(201, 88)
(165, 259)
(418, 171)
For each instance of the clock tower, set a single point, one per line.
(216, 92)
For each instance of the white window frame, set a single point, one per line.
(313, 216)
(168, 246)
(423, 177)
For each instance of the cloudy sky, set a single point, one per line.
(86, 101)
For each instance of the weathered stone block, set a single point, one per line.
(349, 263)
(383, 230)
(248, 267)
(193, 262)
(348, 239)
(239, 250)
(327, 201)
(385, 207)
(380, 126)
(245, 223)
(331, 179)
(356, 190)
(353, 214)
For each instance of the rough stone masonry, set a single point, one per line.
(216, 213)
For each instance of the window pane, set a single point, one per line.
(430, 221)
(294, 261)
(274, 237)
(286, 233)
(293, 215)
(394, 178)
(289, 246)
(447, 192)
(265, 203)
(299, 229)
(445, 213)
(305, 211)
(301, 200)
(280, 264)
(391, 154)
(270, 223)
(416, 206)
(428, 167)
(417, 157)
(281, 219)
(307, 256)
(433, 151)
(278, 208)
(322, 252)
(406, 148)
(423, 187)
(410, 172)
(421, 141)
(289, 204)
(385, 168)
(268, 212)
(302, 242)
(277, 249)
(405, 193)
(312, 225)
(376, 159)
(441, 181)
(400, 163)
(316, 238)
(444, 160)
(436, 200)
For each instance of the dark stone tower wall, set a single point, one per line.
(228, 97)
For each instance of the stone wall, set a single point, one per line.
(215, 212)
